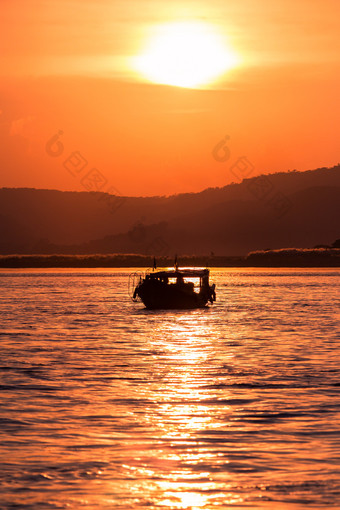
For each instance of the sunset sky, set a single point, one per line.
(141, 92)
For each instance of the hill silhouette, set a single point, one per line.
(293, 209)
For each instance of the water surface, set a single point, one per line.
(107, 405)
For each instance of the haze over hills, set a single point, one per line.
(293, 209)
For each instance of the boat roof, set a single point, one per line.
(183, 271)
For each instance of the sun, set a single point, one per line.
(185, 54)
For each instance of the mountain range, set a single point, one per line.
(291, 209)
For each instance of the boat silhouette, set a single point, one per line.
(179, 288)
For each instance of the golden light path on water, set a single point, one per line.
(182, 415)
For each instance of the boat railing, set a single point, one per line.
(134, 280)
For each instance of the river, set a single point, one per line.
(105, 405)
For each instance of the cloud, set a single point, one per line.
(23, 126)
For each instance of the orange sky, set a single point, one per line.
(65, 66)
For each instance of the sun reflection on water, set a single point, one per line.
(191, 500)
(179, 468)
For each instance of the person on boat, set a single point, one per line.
(180, 280)
(213, 293)
(190, 287)
(187, 287)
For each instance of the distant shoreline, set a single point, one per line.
(112, 261)
(274, 258)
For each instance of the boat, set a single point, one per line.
(178, 288)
